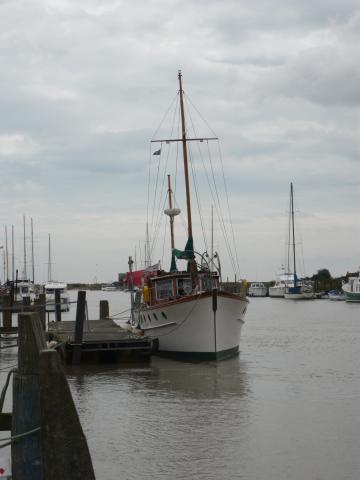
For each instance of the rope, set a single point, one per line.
(120, 313)
(9, 366)
(16, 437)
(4, 390)
(9, 346)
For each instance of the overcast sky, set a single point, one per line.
(84, 85)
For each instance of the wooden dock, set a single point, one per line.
(47, 440)
(102, 340)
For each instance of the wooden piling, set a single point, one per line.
(7, 313)
(40, 308)
(65, 452)
(26, 301)
(79, 326)
(25, 452)
(57, 305)
(104, 309)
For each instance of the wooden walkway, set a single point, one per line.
(102, 340)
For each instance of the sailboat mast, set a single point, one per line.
(171, 216)
(6, 253)
(185, 157)
(49, 262)
(293, 229)
(32, 251)
(24, 271)
(212, 238)
(12, 254)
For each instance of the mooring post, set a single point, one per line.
(41, 308)
(79, 326)
(65, 453)
(57, 305)
(104, 309)
(25, 451)
(26, 301)
(7, 312)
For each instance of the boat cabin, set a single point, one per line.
(173, 286)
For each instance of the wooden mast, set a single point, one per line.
(171, 216)
(185, 156)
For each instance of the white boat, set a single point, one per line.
(53, 286)
(49, 289)
(278, 289)
(257, 289)
(351, 289)
(25, 289)
(187, 312)
(298, 290)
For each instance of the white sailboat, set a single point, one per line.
(24, 287)
(297, 290)
(52, 286)
(282, 280)
(188, 312)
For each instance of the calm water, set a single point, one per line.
(287, 408)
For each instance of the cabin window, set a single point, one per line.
(149, 318)
(184, 286)
(206, 283)
(155, 316)
(164, 315)
(24, 289)
(164, 289)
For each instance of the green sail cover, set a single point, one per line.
(188, 253)
(173, 267)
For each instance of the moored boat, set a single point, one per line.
(278, 289)
(53, 287)
(351, 289)
(257, 289)
(188, 311)
(50, 289)
(298, 290)
(336, 295)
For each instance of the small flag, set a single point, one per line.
(157, 152)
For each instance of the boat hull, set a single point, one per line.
(190, 327)
(276, 292)
(352, 289)
(258, 292)
(299, 296)
(352, 296)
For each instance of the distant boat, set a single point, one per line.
(257, 289)
(297, 290)
(51, 287)
(351, 289)
(25, 289)
(283, 280)
(336, 295)
(109, 287)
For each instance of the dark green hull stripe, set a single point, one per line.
(231, 352)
